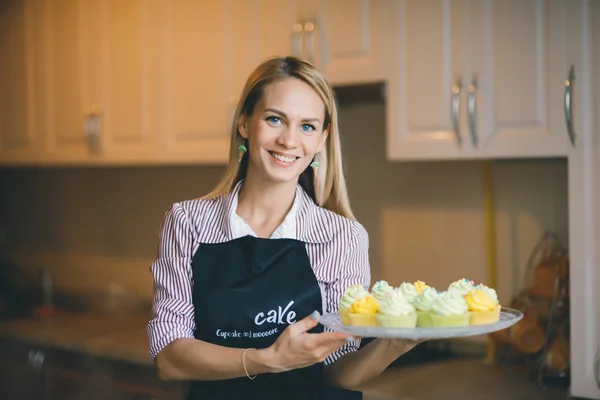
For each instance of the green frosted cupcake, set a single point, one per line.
(449, 310)
(423, 303)
(397, 312)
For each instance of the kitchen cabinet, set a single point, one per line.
(584, 204)
(477, 79)
(134, 83)
(45, 373)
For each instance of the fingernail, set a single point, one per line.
(349, 339)
(314, 315)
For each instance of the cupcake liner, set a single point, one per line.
(397, 321)
(344, 316)
(363, 319)
(438, 320)
(424, 318)
(485, 317)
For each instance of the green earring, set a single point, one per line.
(242, 149)
(315, 163)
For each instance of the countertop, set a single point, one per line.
(119, 337)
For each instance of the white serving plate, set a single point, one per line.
(508, 317)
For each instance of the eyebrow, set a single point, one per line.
(285, 116)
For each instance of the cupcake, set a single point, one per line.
(351, 294)
(450, 309)
(380, 289)
(462, 286)
(396, 311)
(484, 310)
(409, 291)
(363, 312)
(491, 293)
(423, 303)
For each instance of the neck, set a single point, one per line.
(264, 205)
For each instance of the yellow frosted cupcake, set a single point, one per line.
(352, 293)
(363, 311)
(484, 310)
(423, 303)
(397, 312)
(450, 309)
(420, 286)
(380, 289)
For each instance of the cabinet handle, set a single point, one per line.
(568, 111)
(297, 39)
(92, 128)
(455, 108)
(36, 359)
(471, 99)
(309, 27)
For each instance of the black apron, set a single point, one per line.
(246, 292)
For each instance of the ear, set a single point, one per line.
(241, 125)
(324, 136)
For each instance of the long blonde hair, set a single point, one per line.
(328, 187)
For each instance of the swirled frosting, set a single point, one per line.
(396, 304)
(450, 302)
(424, 301)
(409, 291)
(365, 305)
(352, 294)
(380, 289)
(478, 300)
(462, 286)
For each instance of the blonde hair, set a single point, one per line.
(328, 187)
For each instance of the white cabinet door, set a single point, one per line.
(194, 64)
(343, 38)
(517, 78)
(584, 198)
(125, 80)
(427, 61)
(18, 134)
(66, 75)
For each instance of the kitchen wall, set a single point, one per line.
(96, 229)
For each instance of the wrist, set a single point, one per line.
(262, 361)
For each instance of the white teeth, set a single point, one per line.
(283, 158)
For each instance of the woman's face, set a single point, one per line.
(285, 130)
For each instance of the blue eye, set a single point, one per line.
(273, 120)
(308, 128)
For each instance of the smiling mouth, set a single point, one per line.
(282, 158)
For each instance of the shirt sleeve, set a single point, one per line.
(355, 268)
(172, 306)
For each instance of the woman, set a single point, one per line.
(242, 274)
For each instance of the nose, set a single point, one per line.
(287, 138)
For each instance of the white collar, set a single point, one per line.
(240, 228)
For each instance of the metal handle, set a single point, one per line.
(297, 39)
(455, 108)
(309, 27)
(471, 99)
(568, 111)
(92, 128)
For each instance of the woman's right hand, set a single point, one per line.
(296, 348)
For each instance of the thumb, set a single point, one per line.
(306, 324)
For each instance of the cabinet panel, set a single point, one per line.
(17, 80)
(65, 77)
(127, 80)
(518, 74)
(195, 56)
(427, 62)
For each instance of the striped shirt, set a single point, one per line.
(337, 248)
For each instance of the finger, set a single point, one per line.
(305, 324)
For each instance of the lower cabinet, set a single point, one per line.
(42, 373)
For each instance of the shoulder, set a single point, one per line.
(203, 217)
(340, 228)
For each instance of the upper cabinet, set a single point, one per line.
(477, 79)
(142, 82)
(19, 136)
